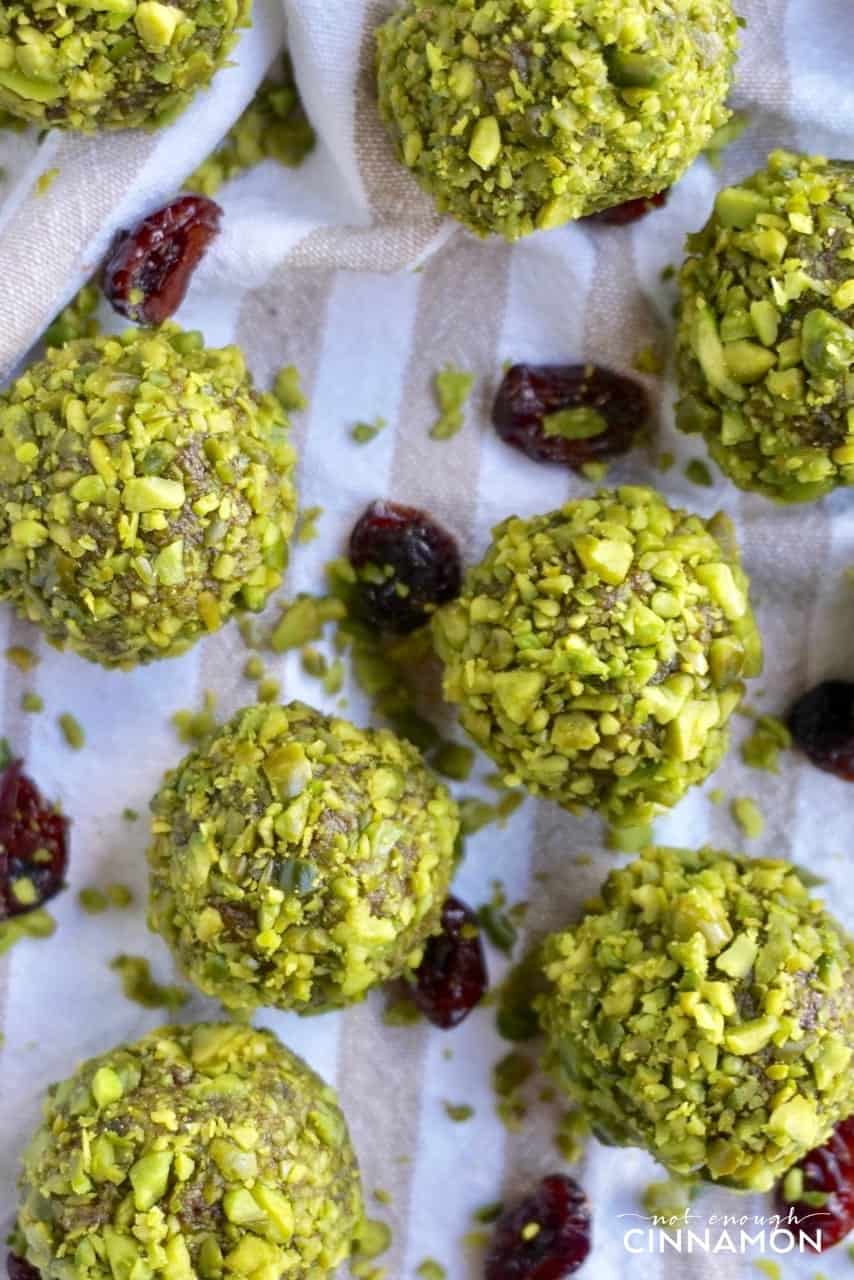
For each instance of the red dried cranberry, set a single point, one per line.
(620, 215)
(822, 725)
(415, 560)
(530, 393)
(19, 1269)
(560, 1211)
(827, 1171)
(149, 269)
(452, 978)
(33, 842)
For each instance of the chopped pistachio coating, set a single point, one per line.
(111, 64)
(199, 1151)
(298, 860)
(766, 329)
(597, 652)
(523, 114)
(145, 494)
(703, 1008)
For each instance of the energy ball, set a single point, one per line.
(597, 652)
(523, 114)
(146, 494)
(703, 1008)
(111, 64)
(766, 330)
(202, 1150)
(297, 860)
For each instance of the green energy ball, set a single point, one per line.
(111, 64)
(523, 114)
(766, 330)
(597, 652)
(298, 860)
(145, 494)
(198, 1151)
(703, 1008)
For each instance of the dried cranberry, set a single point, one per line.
(416, 564)
(560, 1212)
(33, 843)
(530, 393)
(19, 1269)
(149, 269)
(620, 215)
(828, 1171)
(452, 977)
(822, 725)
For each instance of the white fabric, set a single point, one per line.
(280, 280)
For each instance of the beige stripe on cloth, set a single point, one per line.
(381, 1071)
(50, 234)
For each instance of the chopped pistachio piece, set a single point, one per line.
(492, 104)
(453, 388)
(217, 1115)
(298, 860)
(597, 652)
(749, 816)
(139, 986)
(72, 731)
(703, 1008)
(365, 432)
(761, 749)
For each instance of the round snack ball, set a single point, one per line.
(703, 1008)
(523, 114)
(597, 652)
(198, 1151)
(113, 64)
(145, 494)
(297, 860)
(766, 330)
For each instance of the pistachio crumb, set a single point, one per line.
(459, 1112)
(72, 731)
(32, 702)
(453, 388)
(288, 391)
(24, 659)
(193, 727)
(761, 749)
(139, 986)
(430, 1269)
(649, 360)
(453, 760)
(307, 524)
(749, 816)
(769, 1268)
(45, 181)
(92, 900)
(698, 472)
(130, 815)
(364, 432)
(30, 924)
(253, 668)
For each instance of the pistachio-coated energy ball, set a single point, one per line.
(146, 494)
(298, 860)
(766, 330)
(111, 64)
(597, 652)
(703, 1008)
(523, 114)
(198, 1151)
